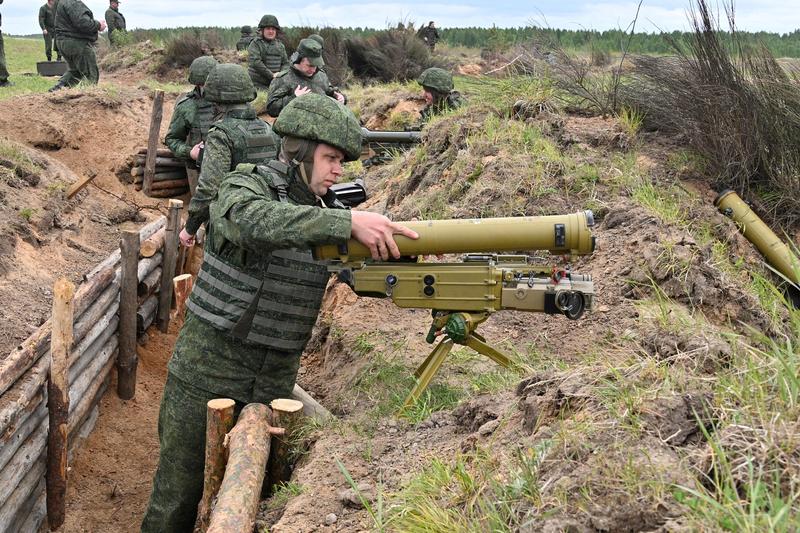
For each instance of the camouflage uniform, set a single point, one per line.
(76, 33)
(266, 58)
(115, 22)
(238, 137)
(250, 313)
(281, 92)
(47, 21)
(430, 35)
(3, 69)
(439, 83)
(191, 119)
(246, 38)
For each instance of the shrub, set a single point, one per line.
(186, 47)
(390, 55)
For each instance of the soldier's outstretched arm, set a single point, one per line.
(216, 164)
(377, 232)
(179, 128)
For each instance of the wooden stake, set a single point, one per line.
(183, 287)
(171, 243)
(240, 492)
(286, 414)
(58, 402)
(128, 304)
(311, 407)
(81, 184)
(161, 152)
(152, 140)
(219, 421)
(152, 245)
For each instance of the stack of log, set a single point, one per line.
(170, 178)
(23, 374)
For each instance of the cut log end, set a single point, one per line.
(221, 403)
(286, 405)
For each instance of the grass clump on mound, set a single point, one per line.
(390, 55)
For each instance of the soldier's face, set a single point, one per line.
(327, 168)
(306, 68)
(269, 33)
(428, 96)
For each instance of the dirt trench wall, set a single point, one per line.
(23, 390)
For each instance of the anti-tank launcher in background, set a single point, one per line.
(378, 146)
(464, 293)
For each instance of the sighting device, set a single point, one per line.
(377, 146)
(464, 293)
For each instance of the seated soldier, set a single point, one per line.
(437, 85)
(302, 78)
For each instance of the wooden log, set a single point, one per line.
(164, 174)
(171, 243)
(33, 481)
(11, 443)
(171, 184)
(19, 465)
(94, 314)
(311, 407)
(286, 414)
(169, 193)
(58, 402)
(128, 303)
(137, 171)
(145, 232)
(84, 359)
(152, 245)
(24, 396)
(161, 152)
(81, 184)
(92, 400)
(239, 494)
(33, 520)
(150, 284)
(161, 162)
(148, 264)
(152, 140)
(182, 286)
(219, 421)
(145, 311)
(86, 386)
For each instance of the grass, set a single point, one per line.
(21, 58)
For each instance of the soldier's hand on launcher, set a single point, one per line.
(377, 232)
(187, 239)
(300, 91)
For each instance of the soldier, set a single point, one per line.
(47, 22)
(238, 137)
(76, 33)
(430, 35)
(115, 21)
(191, 119)
(437, 86)
(3, 70)
(316, 37)
(246, 38)
(304, 77)
(259, 291)
(266, 55)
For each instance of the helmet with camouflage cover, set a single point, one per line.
(319, 118)
(317, 37)
(269, 21)
(247, 30)
(229, 84)
(437, 79)
(200, 68)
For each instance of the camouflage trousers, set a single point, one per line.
(81, 62)
(206, 364)
(3, 69)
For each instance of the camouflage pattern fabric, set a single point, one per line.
(281, 91)
(430, 35)
(81, 61)
(453, 100)
(47, 21)
(244, 42)
(75, 21)
(184, 120)
(209, 363)
(223, 152)
(265, 59)
(115, 22)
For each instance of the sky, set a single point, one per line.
(782, 16)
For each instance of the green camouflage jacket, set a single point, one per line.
(47, 18)
(265, 59)
(281, 91)
(75, 21)
(451, 101)
(114, 20)
(187, 127)
(244, 42)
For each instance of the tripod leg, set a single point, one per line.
(428, 369)
(492, 353)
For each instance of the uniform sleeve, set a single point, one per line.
(284, 58)
(83, 20)
(42, 16)
(256, 63)
(280, 94)
(216, 164)
(257, 222)
(179, 128)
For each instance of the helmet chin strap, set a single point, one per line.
(299, 153)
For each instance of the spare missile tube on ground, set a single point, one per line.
(403, 137)
(776, 252)
(559, 234)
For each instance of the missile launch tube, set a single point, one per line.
(560, 234)
(776, 252)
(404, 137)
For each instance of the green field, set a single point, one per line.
(21, 58)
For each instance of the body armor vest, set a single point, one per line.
(253, 140)
(271, 55)
(204, 120)
(273, 300)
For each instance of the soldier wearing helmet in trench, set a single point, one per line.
(437, 87)
(246, 38)
(259, 290)
(266, 55)
(238, 136)
(302, 78)
(191, 119)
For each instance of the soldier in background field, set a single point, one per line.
(437, 87)
(47, 22)
(429, 34)
(266, 55)
(115, 21)
(3, 70)
(76, 33)
(247, 37)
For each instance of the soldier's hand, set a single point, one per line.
(377, 232)
(187, 239)
(194, 153)
(300, 91)
(44, 32)
(340, 97)
(102, 25)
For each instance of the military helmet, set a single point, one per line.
(312, 50)
(437, 79)
(322, 119)
(229, 84)
(269, 21)
(317, 37)
(247, 29)
(200, 68)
